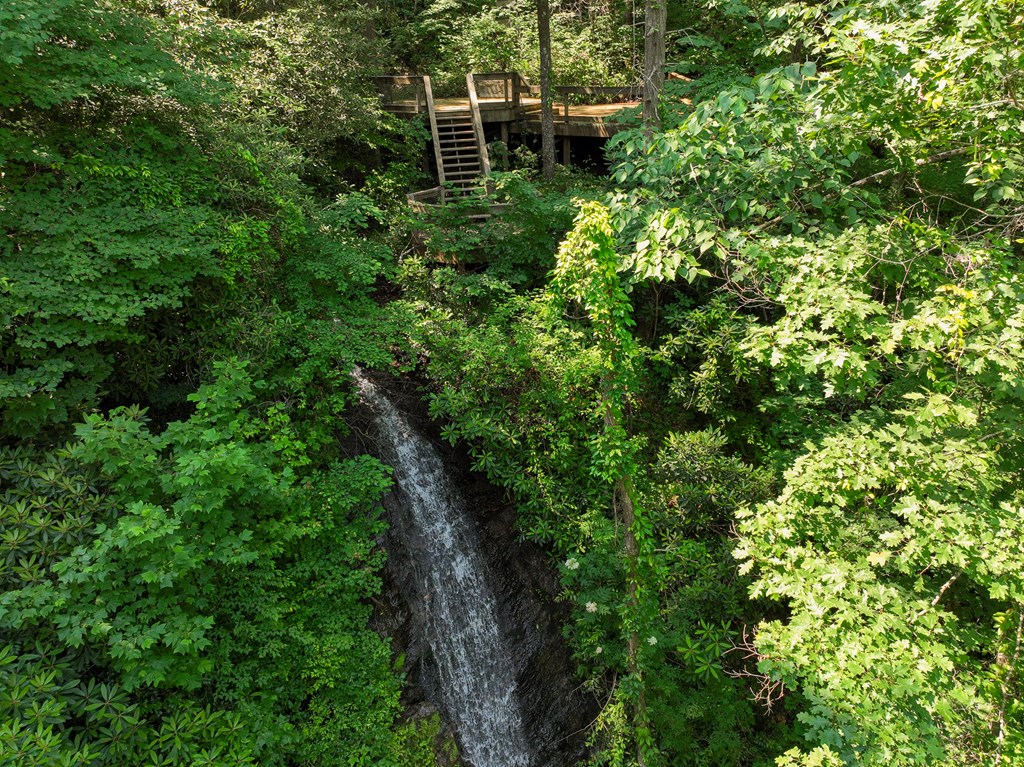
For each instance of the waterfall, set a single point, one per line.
(476, 679)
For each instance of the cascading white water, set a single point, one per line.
(477, 681)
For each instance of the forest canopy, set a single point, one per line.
(753, 381)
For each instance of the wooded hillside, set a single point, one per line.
(755, 382)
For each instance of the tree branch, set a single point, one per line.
(922, 161)
(942, 590)
(1005, 689)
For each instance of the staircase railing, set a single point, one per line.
(432, 112)
(478, 126)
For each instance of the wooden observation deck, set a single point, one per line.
(505, 99)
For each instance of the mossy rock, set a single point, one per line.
(425, 743)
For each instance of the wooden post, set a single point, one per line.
(565, 151)
(478, 125)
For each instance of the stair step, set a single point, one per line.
(460, 156)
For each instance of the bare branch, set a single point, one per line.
(942, 590)
(1005, 689)
(922, 161)
(768, 691)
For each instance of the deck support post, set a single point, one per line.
(565, 152)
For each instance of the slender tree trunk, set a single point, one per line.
(626, 512)
(655, 19)
(370, 24)
(547, 117)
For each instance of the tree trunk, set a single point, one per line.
(626, 512)
(655, 19)
(547, 117)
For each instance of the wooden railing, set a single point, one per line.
(395, 89)
(428, 200)
(478, 125)
(508, 87)
(615, 92)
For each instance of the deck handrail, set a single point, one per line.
(506, 78)
(478, 125)
(514, 87)
(616, 91)
(428, 93)
(387, 84)
(630, 91)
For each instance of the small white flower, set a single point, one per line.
(591, 607)
(572, 564)
(598, 651)
(652, 641)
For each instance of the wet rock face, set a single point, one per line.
(554, 712)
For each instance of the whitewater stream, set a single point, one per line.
(476, 679)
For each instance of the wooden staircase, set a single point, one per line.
(460, 149)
